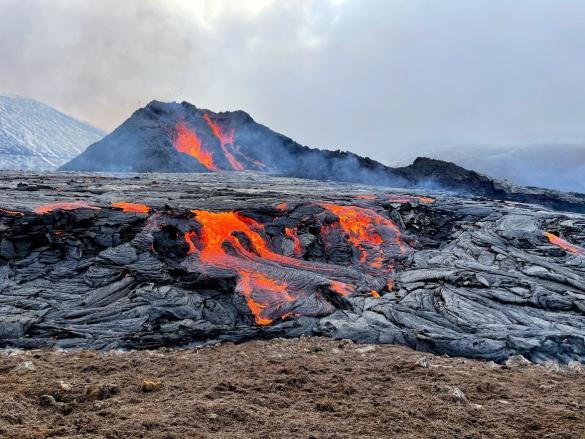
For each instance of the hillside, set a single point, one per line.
(34, 136)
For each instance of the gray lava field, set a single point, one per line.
(203, 258)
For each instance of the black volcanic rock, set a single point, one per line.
(208, 257)
(173, 137)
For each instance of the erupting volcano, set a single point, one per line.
(172, 137)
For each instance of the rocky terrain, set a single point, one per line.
(194, 259)
(297, 388)
(555, 165)
(173, 137)
(34, 136)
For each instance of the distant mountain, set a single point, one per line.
(34, 136)
(554, 166)
(173, 137)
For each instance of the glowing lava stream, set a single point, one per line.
(131, 207)
(567, 246)
(187, 142)
(226, 141)
(365, 226)
(71, 205)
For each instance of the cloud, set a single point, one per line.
(379, 77)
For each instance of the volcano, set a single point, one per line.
(181, 138)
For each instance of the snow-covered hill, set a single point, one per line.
(34, 136)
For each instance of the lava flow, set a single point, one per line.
(131, 207)
(567, 246)
(71, 205)
(297, 245)
(226, 142)
(267, 297)
(187, 141)
(277, 286)
(367, 231)
(404, 198)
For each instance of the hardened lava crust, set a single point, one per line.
(151, 260)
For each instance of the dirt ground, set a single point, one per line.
(303, 388)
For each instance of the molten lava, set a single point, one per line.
(366, 231)
(404, 198)
(131, 207)
(72, 205)
(292, 234)
(341, 288)
(567, 246)
(277, 286)
(259, 291)
(187, 142)
(226, 141)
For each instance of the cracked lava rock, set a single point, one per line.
(157, 260)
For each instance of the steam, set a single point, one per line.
(382, 80)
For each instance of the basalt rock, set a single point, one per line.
(172, 137)
(186, 260)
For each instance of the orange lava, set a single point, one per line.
(72, 205)
(131, 207)
(226, 141)
(341, 288)
(187, 142)
(219, 227)
(189, 236)
(364, 229)
(221, 245)
(275, 286)
(375, 294)
(254, 285)
(282, 206)
(404, 198)
(298, 246)
(567, 246)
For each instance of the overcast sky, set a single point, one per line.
(378, 77)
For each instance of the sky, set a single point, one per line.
(382, 78)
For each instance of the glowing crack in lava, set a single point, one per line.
(131, 207)
(567, 246)
(297, 245)
(226, 142)
(11, 212)
(277, 286)
(71, 205)
(187, 142)
(367, 231)
(404, 198)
